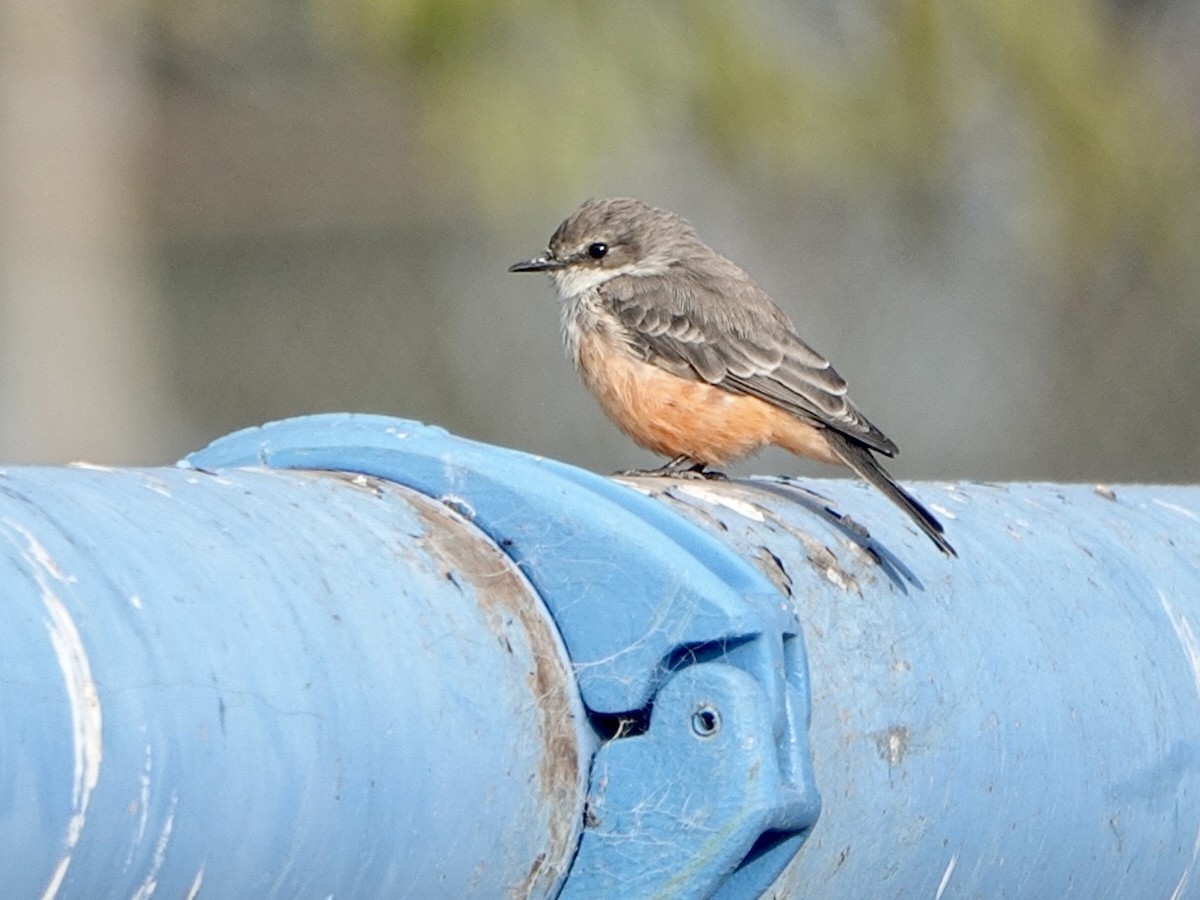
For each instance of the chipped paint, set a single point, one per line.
(893, 745)
(826, 562)
(460, 505)
(772, 566)
(82, 696)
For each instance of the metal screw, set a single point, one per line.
(706, 722)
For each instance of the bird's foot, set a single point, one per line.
(703, 473)
(679, 467)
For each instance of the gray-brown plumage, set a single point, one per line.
(692, 359)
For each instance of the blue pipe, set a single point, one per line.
(358, 656)
(688, 663)
(274, 684)
(1021, 722)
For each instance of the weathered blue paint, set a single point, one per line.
(640, 596)
(282, 683)
(1021, 722)
(274, 684)
(272, 672)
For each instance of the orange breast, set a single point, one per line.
(674, 416)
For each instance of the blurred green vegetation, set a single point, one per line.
(531, 100)
(985, 210)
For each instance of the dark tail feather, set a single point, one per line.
(859, 458)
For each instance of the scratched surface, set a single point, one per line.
(1021, 722)
(661, 622)
(273, 684)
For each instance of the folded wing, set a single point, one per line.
(743, 343)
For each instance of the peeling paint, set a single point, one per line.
(825, 562)
(893, 745)
(772, 566)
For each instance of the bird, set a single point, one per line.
(693, 360)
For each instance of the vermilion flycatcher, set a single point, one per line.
(692, 359)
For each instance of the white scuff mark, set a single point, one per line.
(946, 877)
(150, 883)
(83, 698)
(1181, 886)
(955, 492)
(1186, 636)
(942, 511)
(196, 882)
(634, 485)
(1175, 507)
(143, 802)
(60, 872)
(39, 559)
(717, 498)
(135, 601)
(156, 484)
(94, 467)
(1191, 649)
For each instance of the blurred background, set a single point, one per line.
(985, 212)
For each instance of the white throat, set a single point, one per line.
(574, 281)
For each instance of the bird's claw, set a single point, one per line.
(680, 467)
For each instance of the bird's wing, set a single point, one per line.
(744, 344)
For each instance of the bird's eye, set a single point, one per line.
(597, 250)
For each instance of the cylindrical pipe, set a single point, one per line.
(690, 666)
(287, 682)
(269, 683)
(1023, 721)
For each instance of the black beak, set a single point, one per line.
(543, 263)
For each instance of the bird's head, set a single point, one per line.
(605, 239)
